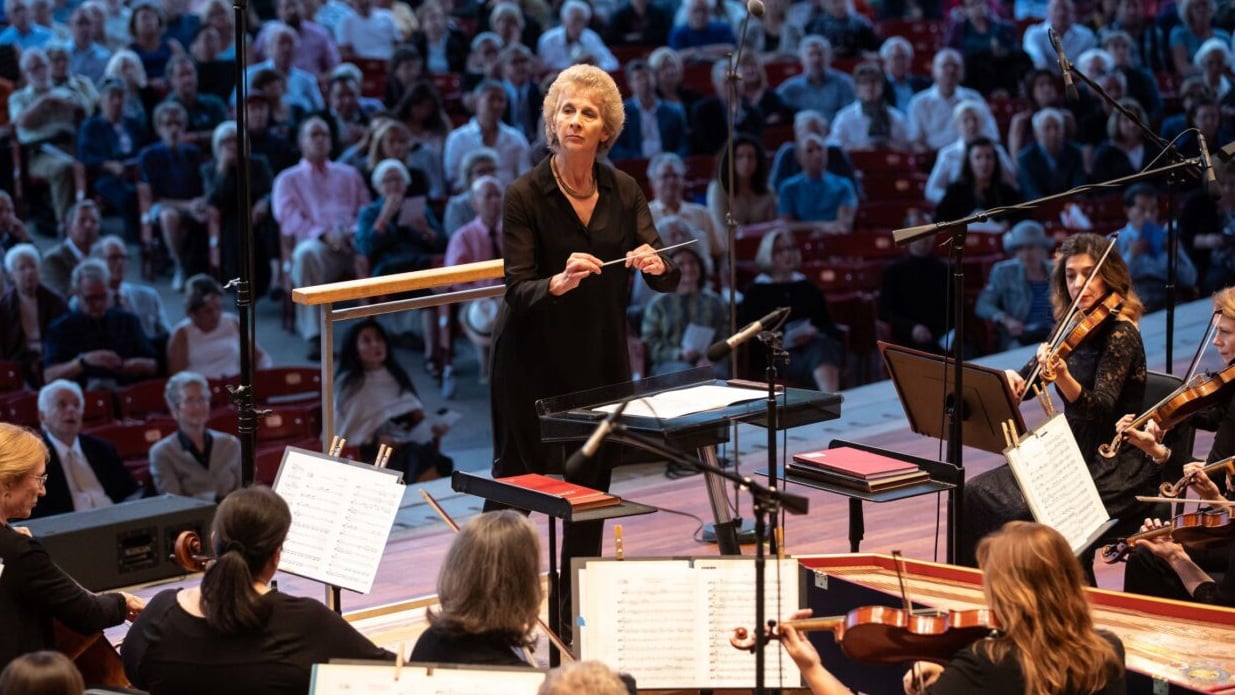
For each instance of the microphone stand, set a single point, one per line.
(772, 342)
(766, 501)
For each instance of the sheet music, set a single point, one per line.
(685, 401)
(697, 337)
(342, 514)
(1056, 482)
(379, 679)
(668, 622)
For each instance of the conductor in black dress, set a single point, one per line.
(562, 327)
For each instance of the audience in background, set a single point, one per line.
(572, 42)
(1016, 297)
(788, 161)
(931, 111)
(819, 87)
(1051, 164)
(900, 86)
(170, 195)
(669, 70)
(980, 186)
(1143, 243)
(652, 126)
(107, 145)
(220, 179)
(486, 129)
(26, 311)
(678, 326)
(80, 234)
(667, 176)
(1127, 149)
(967, 120)
(869, 123)
(12, 229)
(754, 201)
(817, 195)
(195, 461)
(143, 301)
(207, 340)
(1207, 231)
(913, 297)
(1195, 28)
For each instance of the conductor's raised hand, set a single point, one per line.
(646, 259)
(578, 266)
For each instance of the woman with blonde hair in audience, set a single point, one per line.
(667, 65)
(591, 677)
(967, 117)
(139, 98)
(218, 14)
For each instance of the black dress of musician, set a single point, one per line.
(1100, 380)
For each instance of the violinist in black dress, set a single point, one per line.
(1102, 378)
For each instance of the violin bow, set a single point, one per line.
(550, 634)
(900, 579)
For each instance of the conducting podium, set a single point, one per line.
(685, 411)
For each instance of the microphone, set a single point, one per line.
(1208, 179)
(755, 7)
(577, 460)
(718, 350)
(1068, 87)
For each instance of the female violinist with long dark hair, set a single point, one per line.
(1159, 566)
(1046, 645)
(1100, 379)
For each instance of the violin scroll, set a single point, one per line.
(187, 552)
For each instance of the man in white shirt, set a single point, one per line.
(1076, 38)
(486, 129)
(302, 88)
(930, 111)
(368, 33)
(83, 472)
(572, 42)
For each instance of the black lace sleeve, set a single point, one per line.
(1122, 359)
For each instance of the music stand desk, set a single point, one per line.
(941, 474)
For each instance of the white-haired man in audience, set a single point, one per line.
(1076, 38)
(486, 129)
(141, 300)
(896, 54)
(26, 310)
(572, 42)
(930, 111)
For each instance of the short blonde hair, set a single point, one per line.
(597, 84)
(21, 452)
(592, 677)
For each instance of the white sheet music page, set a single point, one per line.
(380, 679)
(668, 622)
(342, 513)
(685, 401)
(1056, 483)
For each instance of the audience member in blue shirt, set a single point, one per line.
(171, 192)
(815, 195)
(700, 31)
(666, 129)
(819, 87)
(107, 144)
(22, 30)
(86, 57)
(1143, 245)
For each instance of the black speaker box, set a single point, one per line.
(125, 544)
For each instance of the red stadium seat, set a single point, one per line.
(287, 384)
(143, 399)
(374, 72)
(882, 163)
(133, 439)
(10, 376)
(98, 409)
(20, 408)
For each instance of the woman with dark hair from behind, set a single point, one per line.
(234, 634)
(376, 403)
(489, 591)
(41, 673)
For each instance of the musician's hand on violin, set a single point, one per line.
(921, 675)
(1200, 481)
(133, 606)
(1016, 382)
(800, 649)
(1141, 439)
(1162, 546)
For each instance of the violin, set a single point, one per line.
(1200, 529)
(1176, 489)
(1089, 321)
(93, 655)
(187, 552)
(884, 635)
(1176, 408)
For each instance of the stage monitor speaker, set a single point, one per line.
(125, 544)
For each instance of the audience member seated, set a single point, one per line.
(489, 595)
(12, 229)
(367, 33)
(869, 123)
(1127, 150)
(754, 201)
(406, 68)
(757, 108)
(195, 461)
(302, 89)
(171, 195)
(652, 126)
(316, 52)
(1142, 85)
(667, 66)
(220, 178)
(678, 326)
(63, 76)
(476, 163)
(850, 34)
(1075, 38)
(667, 176)
(1016, 297)
(81, 233)
(443, 46)
(967, 119)
(140, 97)
(207, 340)
(486, 129)
(592, 677)
(1040, 89)
(107, 144)
(673, 230)
(812, 339)
(1050, 164)
(1148, 47)
(989, 46)
(97, 344)
(214, 49)
(182, 24)
(979, 187)
(701, 36)
(507, 21)
(83, 472)
(729, 11)
(1143, 244)
(913, 297)
(330, 13)
(522, 93)
(316, 203)
(202, 111)
(1091, 111)
(572, 42)
(46, 118)
(26, 310)
(1207, 231)
(775, 34)
(483, 59)
(47, 672)
(817, 195)
(21, 30)
(233, 632)
(787, 161)
(151, 43)
(265, 137)
(398, 232)
(271, 86)
(478, 240)
(1205, 116)
(1195, 28)
(426, 126)
(818, 88)
(376, 403)
(1213, 64)
(143, 301)
(343, 112)
(639, 22)
(896, 57)
(931, 111)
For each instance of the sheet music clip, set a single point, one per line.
(336, 446)
(1044, 399)
(383, 455)
(399, 664)
(1009, 433)
(1007, 436)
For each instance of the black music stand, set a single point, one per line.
(553, 507)
(924, 384)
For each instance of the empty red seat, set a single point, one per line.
(10, 376)
(287, 384)
(20, 408)
(98, 409)
(143, 399)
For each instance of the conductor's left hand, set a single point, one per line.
(651, 263)
(578, 266)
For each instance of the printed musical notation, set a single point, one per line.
(388, 679)
(654, 618)
(342, 513)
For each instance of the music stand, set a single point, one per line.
(923, 384)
